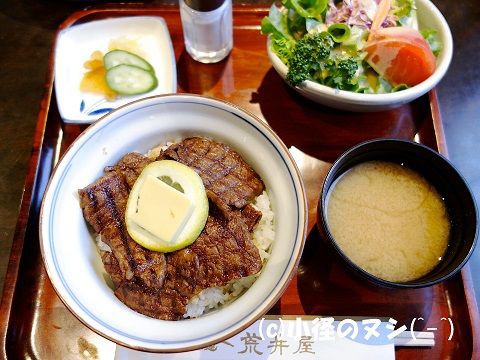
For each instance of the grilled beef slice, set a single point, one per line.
(103, 204)
(160, 285)
(222, 170)
(130, 166)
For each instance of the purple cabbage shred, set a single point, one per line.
(355, 13)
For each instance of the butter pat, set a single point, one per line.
(162, 210)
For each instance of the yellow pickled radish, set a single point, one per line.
(94, 81)
(93, 64)
(97, 55)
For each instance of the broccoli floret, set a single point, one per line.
(312, 59)
(307, 56)
(340, 73)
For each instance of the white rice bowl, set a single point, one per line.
(70, 253)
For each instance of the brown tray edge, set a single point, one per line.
(32, 171)
(472, 310)
(466, 273)
(25, 208)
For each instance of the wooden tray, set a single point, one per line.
(35, 324)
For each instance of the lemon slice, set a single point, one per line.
(167, 207)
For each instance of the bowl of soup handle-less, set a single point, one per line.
(447, 182)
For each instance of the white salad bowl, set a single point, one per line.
(68, 245)
(428, 17)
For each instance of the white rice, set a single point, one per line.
(263, 237)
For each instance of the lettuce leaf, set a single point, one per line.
(403, 8)
(276, 23)
(307, 8)
(404, 11)
(283, 48)
(433, 40)
(281, 39)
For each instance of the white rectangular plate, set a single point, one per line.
(76, 44)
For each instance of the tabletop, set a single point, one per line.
(28, 29)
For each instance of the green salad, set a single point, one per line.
(355, 45)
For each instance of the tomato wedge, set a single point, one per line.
(400, 55)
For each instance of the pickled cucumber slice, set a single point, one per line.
(130, 79)
(186, 181)
(118, 57)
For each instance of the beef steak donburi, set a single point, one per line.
(160, 285)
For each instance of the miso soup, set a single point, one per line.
(388, 220)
